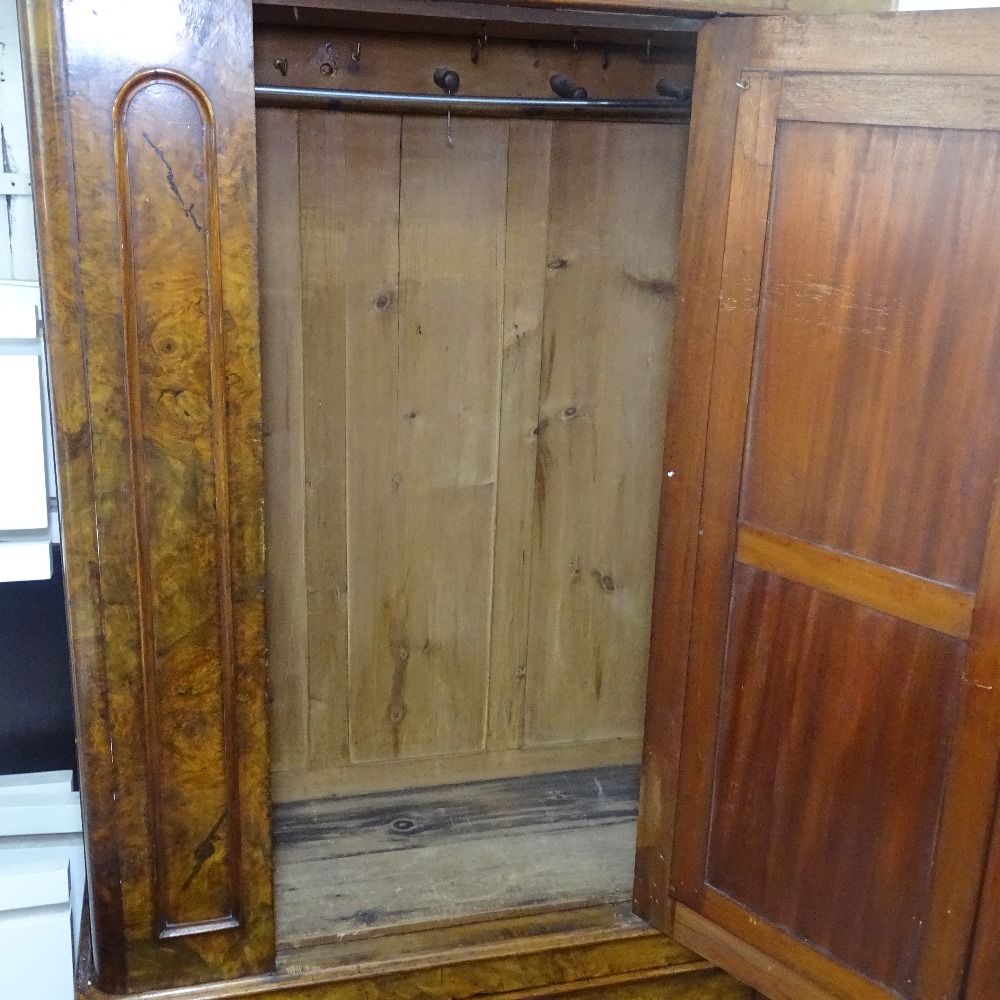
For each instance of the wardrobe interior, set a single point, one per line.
(465, 337)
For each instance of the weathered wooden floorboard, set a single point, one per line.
(351, 865)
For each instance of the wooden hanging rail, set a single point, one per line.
(621, 109)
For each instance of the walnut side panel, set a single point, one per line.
(177, 444)
(158, 135)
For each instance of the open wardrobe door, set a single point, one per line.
(820, 769)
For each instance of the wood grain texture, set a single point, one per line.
(644, 6)
(911, 598)
(406, 62)
(872, 99)
(834, 841)
(753, 966)
(422, 691)
(923, 43)
(374, 528)
(529, 162)
(421, 772)
(373, 864)
(734, 327)
(325, 252)
(610, 286)
(555, 954)
(969, 810)
(928, 43)
(955, 818)
(872, 451)
(163, 200)
(465, 17)
(280, 276)
(984, 963)
(702, 241)
(176, 397)
(447, 301)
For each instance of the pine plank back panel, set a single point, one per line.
(464, 407)
(147, 181)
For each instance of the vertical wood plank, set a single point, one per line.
(610, 286)
(284, 455)
(969, 810)
(324, 366)
(720, 54)
(423, 689)
(528, 160)
(984, 963)
(372, 320)
(735, 329)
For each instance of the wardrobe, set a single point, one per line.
(530, 530)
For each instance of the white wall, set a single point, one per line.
(944, 4)
(28, 521)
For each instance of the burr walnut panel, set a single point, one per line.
(178, 452)
(153, 271)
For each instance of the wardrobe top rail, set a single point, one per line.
(608, 20)
(461, 17)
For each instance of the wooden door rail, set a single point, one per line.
(619, 109)
(925, 602)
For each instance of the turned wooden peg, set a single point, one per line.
(562, 86)
(675, 91)
(447, 79)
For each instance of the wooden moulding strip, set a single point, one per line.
(911, 598)
(742, 960)
(637, 954)
(294, 785)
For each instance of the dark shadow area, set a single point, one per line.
(36, 703)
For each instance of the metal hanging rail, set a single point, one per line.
(617, 108)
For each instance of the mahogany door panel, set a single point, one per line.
(825, 806)
(838, 761)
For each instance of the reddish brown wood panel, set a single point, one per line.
(984, 967)
(876, 421)
(835, 729)
(161, 216)
(705, 217)
(853, 350)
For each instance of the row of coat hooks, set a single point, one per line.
(667, 99)
(571, 100)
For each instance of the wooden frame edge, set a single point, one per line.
(55, 208)
(381, 978)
